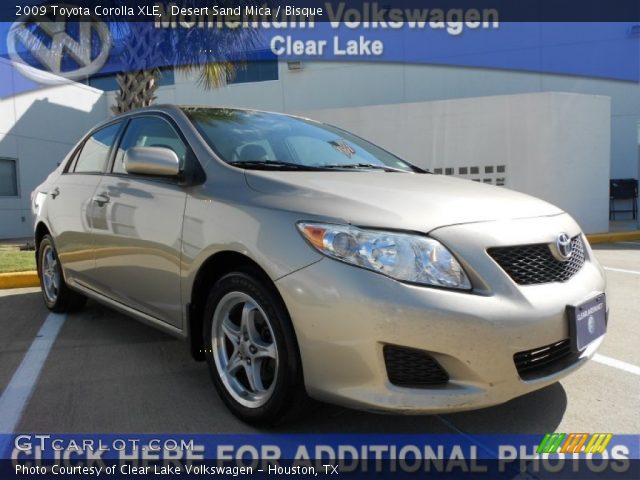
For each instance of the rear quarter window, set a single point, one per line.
(94, 155)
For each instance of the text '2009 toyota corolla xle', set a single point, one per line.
(299, 259)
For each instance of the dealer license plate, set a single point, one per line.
(587, 322)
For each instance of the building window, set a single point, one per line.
(260, 66)
(8, 177)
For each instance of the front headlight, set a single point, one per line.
(408, 258)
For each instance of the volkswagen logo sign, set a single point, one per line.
(44, 50)
(563, 248)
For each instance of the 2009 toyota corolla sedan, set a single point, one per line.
(299, 259)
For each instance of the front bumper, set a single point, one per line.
(343, 316)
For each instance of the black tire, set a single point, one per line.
(58, 299)
(288, 396)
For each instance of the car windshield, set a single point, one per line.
(260, 140)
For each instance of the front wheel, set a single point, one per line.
(251, 350)
(57, 296)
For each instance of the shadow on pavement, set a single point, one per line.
(540, 411)
(537, 412)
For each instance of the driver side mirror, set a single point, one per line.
(157, 161)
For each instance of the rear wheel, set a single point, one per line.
(251, 350)
(57, 296)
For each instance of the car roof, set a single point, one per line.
(169, 108)
(173, 110)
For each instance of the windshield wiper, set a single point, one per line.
(365, 166)
(272, 165)
(280, 165)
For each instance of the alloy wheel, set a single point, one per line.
(50, 273)
(244, 349)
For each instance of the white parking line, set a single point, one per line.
(622, 270)
(630, 243)
(612, 362)
(19, 390)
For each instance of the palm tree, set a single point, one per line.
(214, 53)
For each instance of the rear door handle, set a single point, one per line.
(101, 199)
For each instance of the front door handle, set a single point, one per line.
(101, 199)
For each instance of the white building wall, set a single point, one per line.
(551, 145)
(38, 128)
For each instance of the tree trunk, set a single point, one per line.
(137, 90)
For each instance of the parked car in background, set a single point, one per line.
(299, 259)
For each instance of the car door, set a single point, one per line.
(137, 227)
(69, 204)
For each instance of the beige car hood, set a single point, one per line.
(394, 200)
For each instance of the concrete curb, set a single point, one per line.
(614, 237)
(30, 279)
(19, 280)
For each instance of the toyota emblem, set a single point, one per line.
(563, 247)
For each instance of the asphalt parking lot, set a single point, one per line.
(108, 373)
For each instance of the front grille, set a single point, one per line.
(544, 361)
(535, 264)
(411, 368)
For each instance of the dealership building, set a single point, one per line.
(558, 137)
